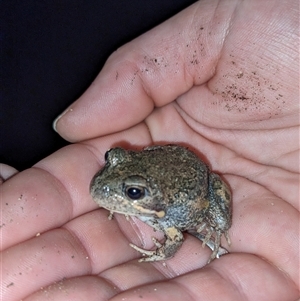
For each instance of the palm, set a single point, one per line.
(235, 103)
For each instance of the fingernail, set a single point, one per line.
(54, 124)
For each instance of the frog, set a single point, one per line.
(172, 190)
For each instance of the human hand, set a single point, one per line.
(221, 77)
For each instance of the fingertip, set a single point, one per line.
(58, 120)
(6, 172)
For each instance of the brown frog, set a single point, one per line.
(169, 188)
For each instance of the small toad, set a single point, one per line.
(169, 188)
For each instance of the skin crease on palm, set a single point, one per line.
(221, 77)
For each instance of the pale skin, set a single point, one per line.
(222, 77)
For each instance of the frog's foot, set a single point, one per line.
(155, 255)
(210, 243)
(215, 245)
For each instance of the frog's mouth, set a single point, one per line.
(141, 211)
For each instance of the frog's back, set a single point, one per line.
(174, 168)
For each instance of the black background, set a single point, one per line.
(50, 53)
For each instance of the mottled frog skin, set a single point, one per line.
(169, 188)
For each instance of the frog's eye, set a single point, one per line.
(135, 193)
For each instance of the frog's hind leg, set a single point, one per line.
(215, 244)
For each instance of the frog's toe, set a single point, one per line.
(226, 234)
(148, 254)
(155, 255)
(221, 251)
(208, 235)
(217, 242)
(143, 251)
(156, 242)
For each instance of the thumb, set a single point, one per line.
(148, 72)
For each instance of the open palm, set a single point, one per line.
(220, 77)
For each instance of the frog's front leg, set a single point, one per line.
(174, 239)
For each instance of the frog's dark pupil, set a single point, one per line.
(135, 193)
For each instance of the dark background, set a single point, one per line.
(50, 53)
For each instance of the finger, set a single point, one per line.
(264, 225)
(181, 53)
(111, 281)
(86, 245)
(90, 288)
(6, 172)
(150, 71)
(57, 188)
(238, 277)
(30, 202)
(245, 279)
